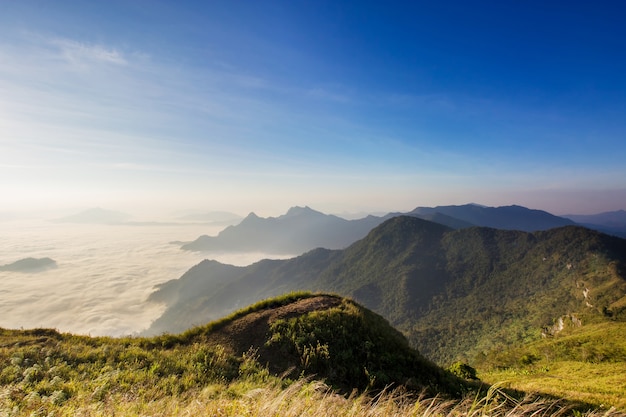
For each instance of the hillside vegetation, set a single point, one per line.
(304, 350)
(476, 296)
(272, 343)
(585, 363)
(456, 294)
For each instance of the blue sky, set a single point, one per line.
(342, 106)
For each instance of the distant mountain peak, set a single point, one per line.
(299, 230)
(298, 211)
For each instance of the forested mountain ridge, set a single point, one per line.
(454, 293)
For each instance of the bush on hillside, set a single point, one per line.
(463, 370)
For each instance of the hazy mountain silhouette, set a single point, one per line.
(436, 217)
(302, 228)
(506, 217)
(96, 216)
(299, 230)
(612, 222)
(29, 265)
(454, 293)
(609, 218)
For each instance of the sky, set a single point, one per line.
(155, 106)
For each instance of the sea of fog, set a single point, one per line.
(103, 277)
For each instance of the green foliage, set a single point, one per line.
(43, 369)
(352, 347)
(506, 286)
(43, 372)
(592, 343)
(462, 370)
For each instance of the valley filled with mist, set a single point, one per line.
(102, 272)
(102, 277)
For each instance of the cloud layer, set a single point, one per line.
(104, 275)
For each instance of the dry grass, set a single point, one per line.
(310, 398)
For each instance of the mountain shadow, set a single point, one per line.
(454, 293)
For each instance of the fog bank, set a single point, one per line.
(103, 277)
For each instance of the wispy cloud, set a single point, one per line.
(81, 54)
(81, 112)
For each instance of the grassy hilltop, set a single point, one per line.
(267, 346)
(299, 354)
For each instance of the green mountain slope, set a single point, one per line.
(509, 287)
(456, 294)
(585, 363)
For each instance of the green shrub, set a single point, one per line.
(463, 370)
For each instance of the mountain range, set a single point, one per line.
(297, 231)
(506, 217)
(609, 218)
(302, 228)
(456, 294)
(611, 222)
